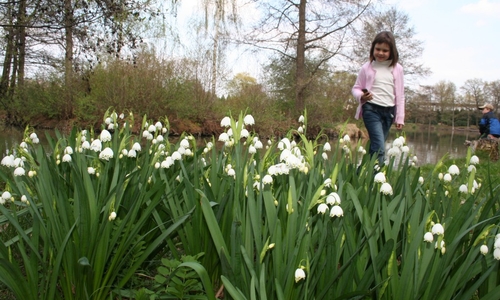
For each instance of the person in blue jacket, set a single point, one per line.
(489, 126)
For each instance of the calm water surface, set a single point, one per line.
(428, 146)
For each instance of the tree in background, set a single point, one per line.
(410, 49)
(310, 33)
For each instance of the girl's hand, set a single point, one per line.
(399, 126)
(367, 96)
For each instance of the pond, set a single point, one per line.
(428, 145)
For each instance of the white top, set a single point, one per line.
(383, 85)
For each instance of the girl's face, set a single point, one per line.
(381, 52)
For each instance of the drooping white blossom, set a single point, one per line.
(454, 170)
(105, 136)
(299, 274)
(322, 208)
(336, 211)
(437, 229)
(248, 120)
(333, 198)
(225, 122)
(106, 154)
(428, 237)
(379, 177)
(386, 188)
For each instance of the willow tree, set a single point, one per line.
(306, 31)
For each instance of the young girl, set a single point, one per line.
(379, 90)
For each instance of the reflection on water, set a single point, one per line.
(428, 146)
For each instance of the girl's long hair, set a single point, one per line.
(386, 37)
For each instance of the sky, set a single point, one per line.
(461, 38)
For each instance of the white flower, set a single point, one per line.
(33, 136)
(347, 138)
(176, 155)
(108, 120)
(336, 211)
(258, 144)
(111, 126)
(496, 253)
(284, 144)
(437, 229)
(386, 188)
(447, 177)
(471, 168)
(333, 198)
(185, 143)
(405, 149)
(428, 237)
(300, 129)
(91, 170)
(136, 146)
(105, 136)
(474, 160)
(440, 176)
(8, 161)
(23, 145)
(225, 122)
(453, 170)
(106, 154)
(322, 208)
(463, 189)
(251, 149)
(86, 145)
(6, 195)
(24, 199)
(112, 216)
(484, 249)
(224, 137)
(301, 119)
(96, 145)
(231, 172)
(68, 150)
(19, 171)
(327, 147)
(398, 143)
(152, 128)
(421, 180)
(244, 133)
(324, 155)
(248, 120)
(66, 158)
(158, 125)
(268, 179)
(380, 177)
(394, 152)
(299, 275)
(132, 153)
(328, 182)
(168, 162)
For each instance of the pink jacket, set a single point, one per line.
(365, 80)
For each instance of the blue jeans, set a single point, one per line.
(378, 120)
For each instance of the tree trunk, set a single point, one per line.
(21, 43)
(215, 53)
(68, 58)
(7, 62)
(300, 76)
